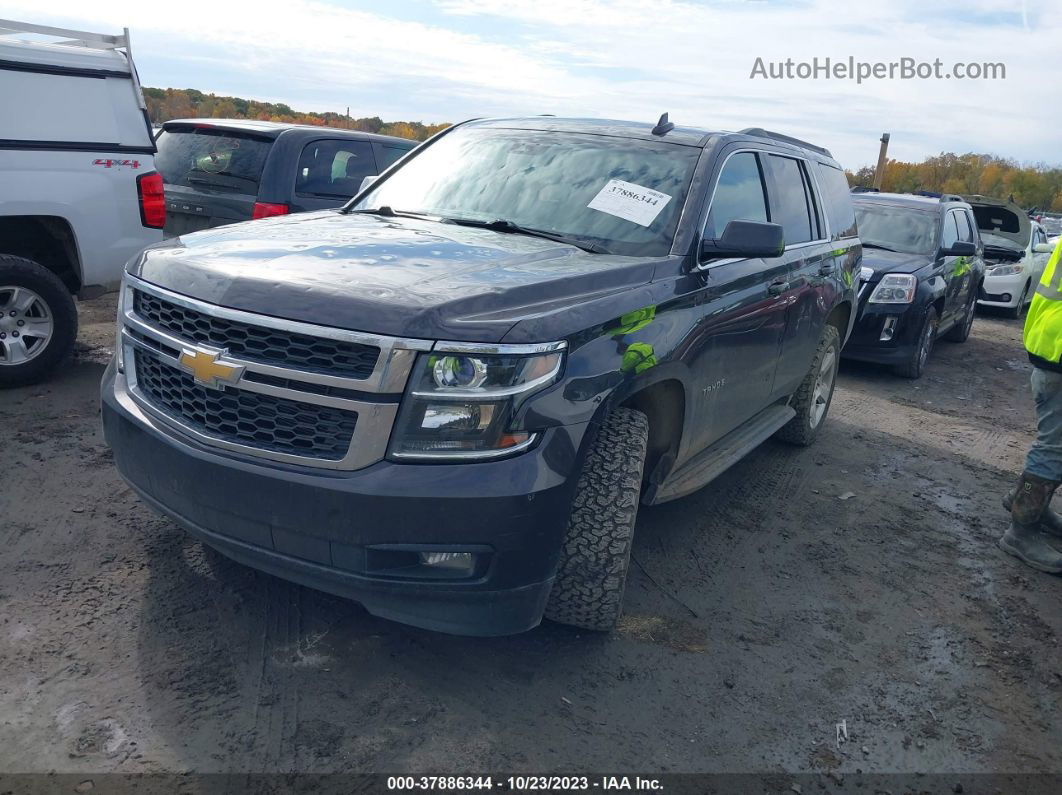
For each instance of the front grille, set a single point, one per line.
(258, 343)
(242, 417)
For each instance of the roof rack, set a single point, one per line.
(80, 38)
(759, 132)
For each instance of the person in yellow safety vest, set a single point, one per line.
(1034, 526)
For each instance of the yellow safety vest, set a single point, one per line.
(1043, 325)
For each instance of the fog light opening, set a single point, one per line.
(451, 562)
(889, 329)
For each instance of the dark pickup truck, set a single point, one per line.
(448, 399)
(220, 171)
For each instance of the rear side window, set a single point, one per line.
(837, 199)
(214, 160)
(739, 195)
(334, 168)
(390, 154)
(966, 234)
(790, 201)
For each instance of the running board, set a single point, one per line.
(713, 461)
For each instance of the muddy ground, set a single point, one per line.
(762, 612)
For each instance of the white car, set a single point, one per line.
(79, 195)
(1015, 252)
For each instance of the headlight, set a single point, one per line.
(895, 288)
(462, 399)
(1005, 270)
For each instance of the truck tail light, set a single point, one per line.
(152, 202)
(269, 209)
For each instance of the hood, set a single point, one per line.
(882, 262)
(395, 276)
(1001, 219)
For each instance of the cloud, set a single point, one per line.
(452, 59)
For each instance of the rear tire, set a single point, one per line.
(815, 393)
(916, 363)
(960, 332)
(588, 589)
(38, 323)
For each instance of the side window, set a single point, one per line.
(975, 237)
(963, 223)
(389, 154)
(739, 195)
(334, 169)
(950, 235)
(789, 200)
(837, 199)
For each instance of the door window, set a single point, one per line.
(334, 169)
(950, 235)
(739, 195)
(837, 199)
(962, 221)
(389, 154)
(790, 201)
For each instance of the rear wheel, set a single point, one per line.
(916, 362)
(812, 399)
(960, 332)
(588, 589)
(1016, 312)
(38, 321)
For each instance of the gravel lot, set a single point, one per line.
(762, 611)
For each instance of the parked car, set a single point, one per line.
(1016, 253)
(447, 400)
(922, 268)
(78, 193)
(220, 171)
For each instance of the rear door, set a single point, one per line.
(808, 255)
(1039, 261)
(211, 175)
(330, 171)
(954, 267)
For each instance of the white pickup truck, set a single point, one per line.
(79, 194)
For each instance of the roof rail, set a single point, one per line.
(759, 132)
(80, 38)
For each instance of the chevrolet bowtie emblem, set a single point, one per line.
(203, 364)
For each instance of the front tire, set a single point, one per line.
(1016, 312)
(588, 589)
(916, 363)
(38, 321)
(815, 393)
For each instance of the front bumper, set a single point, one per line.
(1002, 291)
(324, 529)
(866, 343)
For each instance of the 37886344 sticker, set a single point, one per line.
(634, 203)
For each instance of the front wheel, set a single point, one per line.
(38, 321)
(916, 362)
(1016, 312)
(815, 393)
(588, 589)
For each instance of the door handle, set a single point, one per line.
(825, 269)
(778, 287)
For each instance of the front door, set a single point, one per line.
(734, 348)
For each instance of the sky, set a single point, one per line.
(448, 60)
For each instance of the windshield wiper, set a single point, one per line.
(387, 212)
(878, 245)
(504, 225)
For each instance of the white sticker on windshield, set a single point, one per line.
(630, 202)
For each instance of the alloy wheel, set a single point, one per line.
(26, 325)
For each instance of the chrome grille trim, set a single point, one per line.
(372, 430)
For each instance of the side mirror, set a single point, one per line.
(1043, 248)
(959, 249)
(366, 182)
(746, 239)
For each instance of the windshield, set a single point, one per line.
(896, 228)
(622, 194)
(213, 159)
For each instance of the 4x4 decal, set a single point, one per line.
(109, 163)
